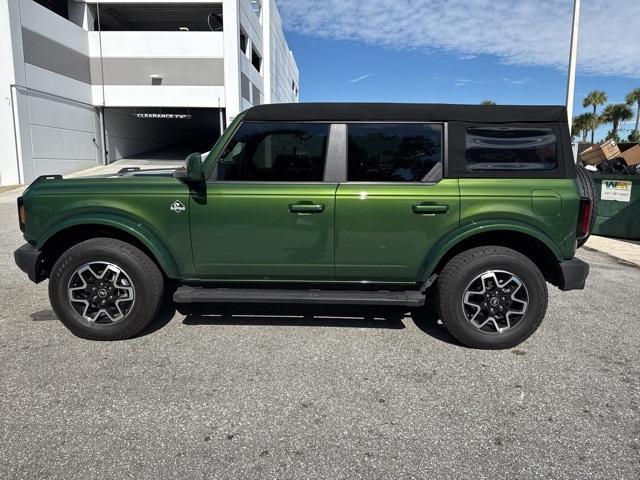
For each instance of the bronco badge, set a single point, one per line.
(177, 207)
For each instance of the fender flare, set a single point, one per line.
(129, 226)
(442, 247)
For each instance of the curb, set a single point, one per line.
(626, 252)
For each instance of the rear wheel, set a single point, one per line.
(105, 289)
(587, 189)
(491, 297)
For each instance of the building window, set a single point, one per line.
(57, 6)
(256, 59)
(256, 95)
(400, 152)
(243, 41)
(245, 87)
(256, 6)
(511, 148)
(275, 152)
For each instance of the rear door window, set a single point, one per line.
(490, 149)
(394, 152)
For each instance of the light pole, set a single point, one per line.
(571, 81)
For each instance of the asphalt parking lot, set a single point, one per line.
(290, 393)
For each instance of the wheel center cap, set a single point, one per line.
(102, 293)
(494, 301)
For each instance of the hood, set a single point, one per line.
(138, 172)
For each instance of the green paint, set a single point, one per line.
(320, 232)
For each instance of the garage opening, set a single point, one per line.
(160, 133)
(158, 17)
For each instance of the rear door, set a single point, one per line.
(395, 204)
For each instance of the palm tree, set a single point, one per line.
(488, 102)
(616, 113)
(634, 97)
(593, 99)
(583, 123)
(578, 126)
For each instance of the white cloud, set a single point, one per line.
(515, 82)
(360, 78)
(461, 82)
(519, 32)
(457, 81)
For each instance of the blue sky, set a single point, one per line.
(369, 54)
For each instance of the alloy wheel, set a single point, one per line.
(495, 301)
(101, 292)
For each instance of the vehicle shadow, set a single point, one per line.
(426, 319)
(165, 314)
(43, 315)
(295, 315)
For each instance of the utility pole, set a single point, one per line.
(571, 81)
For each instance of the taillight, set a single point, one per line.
(22, 217)
(584, 218)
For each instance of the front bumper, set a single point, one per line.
(573, 274)
(31, 261)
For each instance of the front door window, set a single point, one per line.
(275, 152)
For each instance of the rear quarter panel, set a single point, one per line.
(550, 206)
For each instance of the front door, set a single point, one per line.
(395, 204)
(266, 213)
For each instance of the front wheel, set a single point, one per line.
(491, 297)
(105, 289)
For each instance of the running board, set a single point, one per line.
(408, 298)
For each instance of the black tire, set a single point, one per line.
(587, 189)
(140, 272)
(463, 269)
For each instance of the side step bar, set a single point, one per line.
(409, 298)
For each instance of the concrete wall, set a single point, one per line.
(282, 68)
(59, 126)
(190, 66)
(64, 135)
(9, 163)
(58, 74)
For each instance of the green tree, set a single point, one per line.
(583, 123)
(633, 97)
(611, 135)
(488, 102)
(594, 99)
(616, 113)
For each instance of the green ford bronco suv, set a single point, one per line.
(332, 204)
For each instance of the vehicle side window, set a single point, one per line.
(510, 148)
(275, 152)
(394, 152)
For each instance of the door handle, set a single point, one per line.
(429, 208)
(306, 208)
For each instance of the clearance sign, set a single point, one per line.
(169, 116)
(618, 190)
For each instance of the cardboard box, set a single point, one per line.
(632, 156)
(599, 153)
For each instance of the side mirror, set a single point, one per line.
(193, 164)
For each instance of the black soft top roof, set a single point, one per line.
(406, 112)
